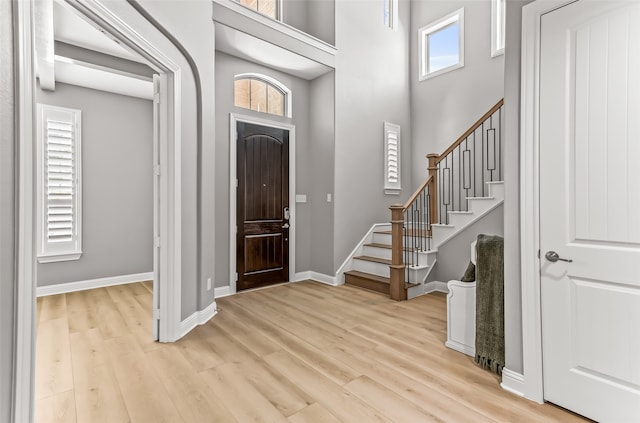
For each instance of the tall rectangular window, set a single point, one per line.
(442, 45)
(59, 190)
(392, 181)
(390, 14)
(498, 18)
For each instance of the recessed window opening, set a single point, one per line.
(262, 94)
(442, 45)
(498, 16)
(270, 8)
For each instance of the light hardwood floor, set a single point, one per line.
(297, 353)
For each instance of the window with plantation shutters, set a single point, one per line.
(392, 158)
(59, 187)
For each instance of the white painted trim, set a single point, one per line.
(498, 13)
(24, 360)
(513, 382)
(222, 291)
(197, 318)
(90, 75)
(532, 386)
(234, 118)
(477, 216)
(315, 276)
(64, 288)
(356, 251)
(436, 286)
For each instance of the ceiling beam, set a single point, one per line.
(45, 68)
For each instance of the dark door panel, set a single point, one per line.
(262, 204)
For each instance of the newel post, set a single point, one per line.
(433, 187)
(397, 288)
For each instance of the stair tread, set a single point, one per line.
(366, 275)
(374, 259)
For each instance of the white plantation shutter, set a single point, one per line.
(392, 158)
(59, 205)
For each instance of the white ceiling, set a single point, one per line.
(70, 28)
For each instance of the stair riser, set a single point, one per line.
(496, 190)
(381, 238)
(461, 219)
(367, 284)
(384, 253)
(374, 268)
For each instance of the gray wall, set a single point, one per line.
(315, 17)
(372, 86)
(117, 185)
(445, 106)
(226, 68)
(321, 166)
(7, 204)
(454, 256)
(512, 279)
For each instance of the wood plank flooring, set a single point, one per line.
(296, 353)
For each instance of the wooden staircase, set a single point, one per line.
(370, 269)
(464, 184)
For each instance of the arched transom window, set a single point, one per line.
(262, 94)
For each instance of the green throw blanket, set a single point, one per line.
(490, 303)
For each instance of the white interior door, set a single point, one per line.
(590, 208)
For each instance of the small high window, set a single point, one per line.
(270, 8)
(262, 94)
(498, 16)
(442, 45)
(391, 14)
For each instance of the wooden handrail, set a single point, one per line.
(415, 194)
(470, 130)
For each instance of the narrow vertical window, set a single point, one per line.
(262, 94)
(391, 158)
(59, 184)
(390, 14)
(498, 17)
(442, 45)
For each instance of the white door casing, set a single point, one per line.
(589, 134)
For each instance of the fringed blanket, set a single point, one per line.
(490, 303)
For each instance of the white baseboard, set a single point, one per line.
(436, 286)
(464, 349)
(512, 382)
(198, 318)
(222, 291)
(315, 276)
(64, 288)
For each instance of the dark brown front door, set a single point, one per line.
(262, 239)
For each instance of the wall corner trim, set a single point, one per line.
(513, 382)
(222, 291)
(197, 318)
(317, 277)
(65, 288)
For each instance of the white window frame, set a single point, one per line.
(498, 21)
(433, 27)
(390, 14)
(66, 250)
(392, 159)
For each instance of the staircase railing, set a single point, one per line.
(455, 175)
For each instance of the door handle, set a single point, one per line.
(287, 214)
(285, 226)
(552, 256)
